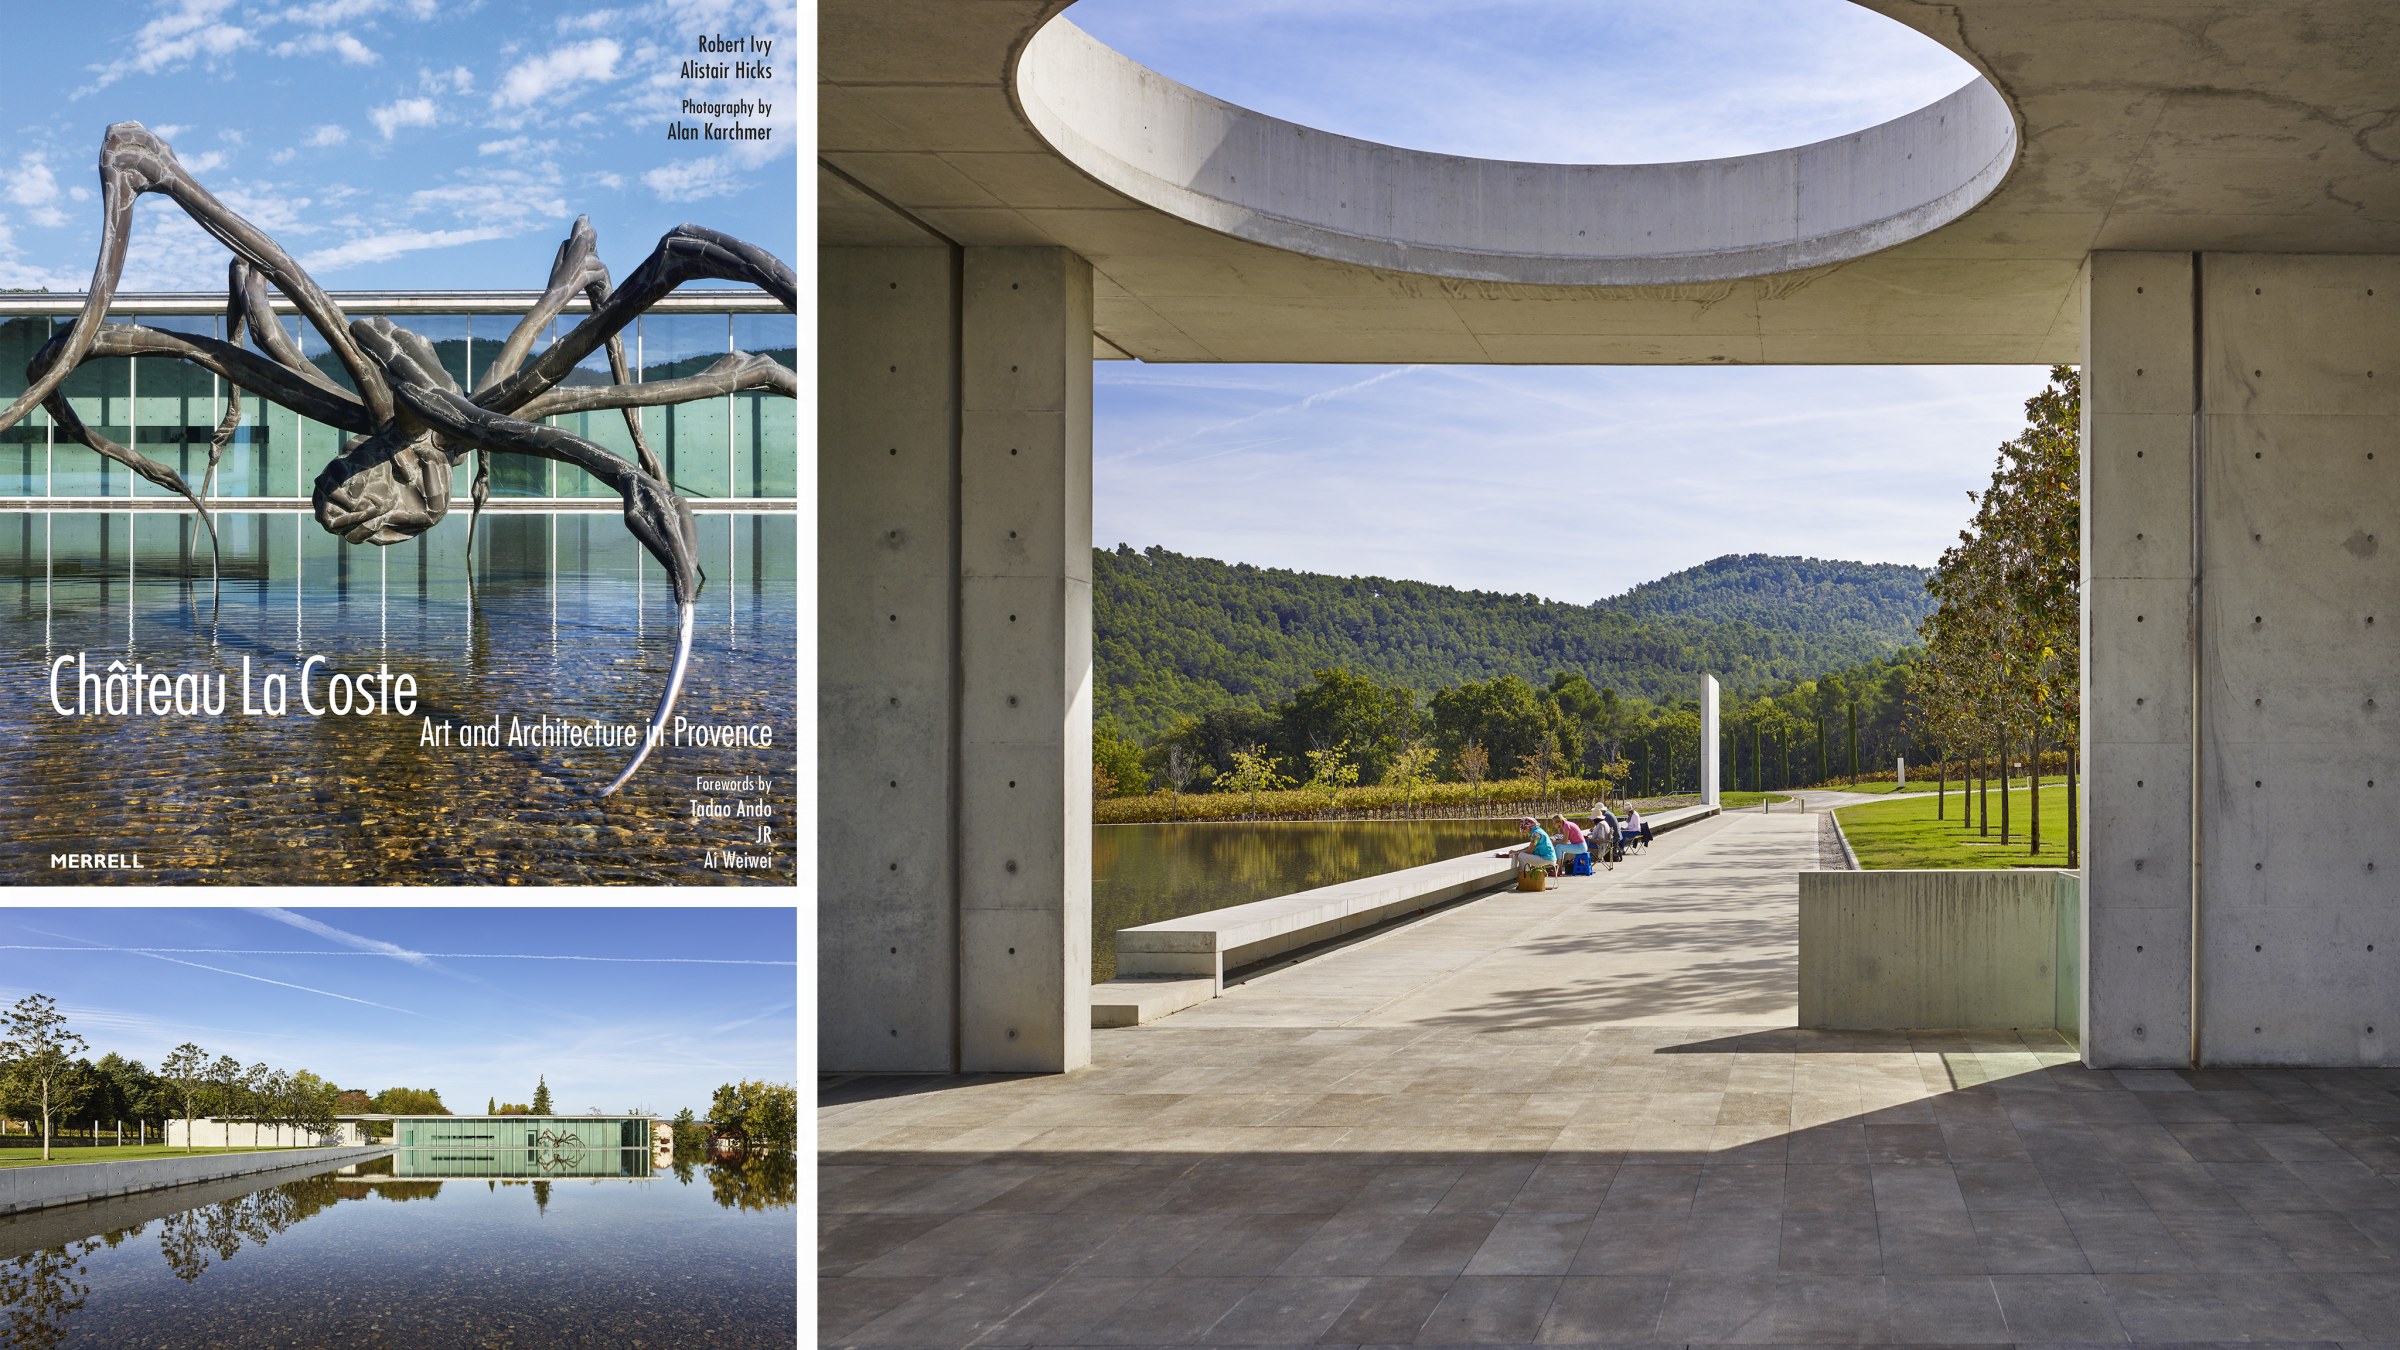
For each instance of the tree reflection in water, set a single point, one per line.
(40, 1290)
(751, 1183)
(197, 1238)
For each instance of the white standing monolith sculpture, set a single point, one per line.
(1903, 772)
(1710, 752)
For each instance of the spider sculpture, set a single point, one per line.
(409, 423)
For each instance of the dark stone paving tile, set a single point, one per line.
(2029, 1243)
(1530, 1244)
(2283, 1307)
(1250, 1244)
(1441, 1244)
(1136, 1190)
(1486, 1188)
(880, 1186)
(952, 1311)
(1746, 1243)
(845, 1305)
(1713, 1308)
(860, 1238)
(2169, 1308)
(1062, 1313)
(1055, 1189)
(1929, 1243)
(2128, 1244)
(1170, 1310)
(1151, 1244)
(1846, 1309)
(2265, 1187)
(1979, 1143)
(2169, 1186)
(1840, 1242)
(2224, 1240)
(1843, 1142)
(1386, 1310)
(1566, 1188)
(1046, 1244)
(1739, 1187)
(1632, 1242)
(1906, 1144)
(2002, 1185)
(1286, 1312)
(1918, 1186)
(2347, 1184)
(2371, 1302)
(2218, 1143)
(1828, 1186)
(2057, 1308)
(1668, 1187)
(1602, 1309)
(1349, 1243)
(2325, 1241)
(1482, 1309)
(1945, 1310)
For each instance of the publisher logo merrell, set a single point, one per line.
(97, 862)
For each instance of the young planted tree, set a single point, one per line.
(38, 1051)
(1253, 772)
(541, 1096)
(186, 1069)
(1474, 765)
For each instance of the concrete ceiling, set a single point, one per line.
(2266, 126)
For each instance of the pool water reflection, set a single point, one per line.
(696, 1255)
(1148, 873)
(566, 617)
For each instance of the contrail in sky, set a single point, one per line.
(441, 956)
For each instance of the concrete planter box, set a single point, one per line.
(30, 1188)
(1927, 950)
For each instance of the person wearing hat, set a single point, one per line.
(1537, 851)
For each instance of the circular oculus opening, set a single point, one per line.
(1270, 181)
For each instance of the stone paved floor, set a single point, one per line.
(1386, 1179)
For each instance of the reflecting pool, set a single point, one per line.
(566, 619)
(1146, 873)
(696, 1255)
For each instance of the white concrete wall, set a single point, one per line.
(1712, 750)
(1925, 950)
(2240, 419)
(31, 1188)
(209, 1132)
(954, 761)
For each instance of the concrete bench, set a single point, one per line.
(1192, 954)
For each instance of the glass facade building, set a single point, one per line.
(522, 1146)
(737, 451)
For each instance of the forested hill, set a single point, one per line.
(1175, 635)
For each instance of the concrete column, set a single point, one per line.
(1025, 604)
(2299, 944)
(2139, 580)
(955, 667)
(2238, 659)
(1712, 754)
(887, 558)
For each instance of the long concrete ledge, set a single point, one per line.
(1936, 950)
(1168, 966)
(30, 1188)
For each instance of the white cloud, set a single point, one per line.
(694, 180)
(509, 146)
(329, 134)
(408, 112)
(184, 30)
(204, 162)
(550, 74)
(167, 131)
(35, 188)
(391, 244)
(343, 45)
(455, 80)
(327, 13)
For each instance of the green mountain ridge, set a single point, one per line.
(1176, 635)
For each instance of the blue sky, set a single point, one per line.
(425, 144)
(1447, 474)
(473, 1001)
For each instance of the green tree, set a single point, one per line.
(1329, 771)
(1116, 762)
(406, 1101)
(1253, 772)
(1410, 769)
(38, 1050)
(491, 1106)
(542, 1105)
(186, 1067)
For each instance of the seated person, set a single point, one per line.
(1570, 841)
(1606, 829)
(1635, 826)
(1538, 851)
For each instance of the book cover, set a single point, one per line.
(397, 445)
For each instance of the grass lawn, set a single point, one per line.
(1881, 787)
(1728, 799)
(15, 1156)
(1904, 833)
